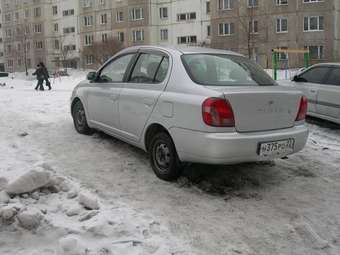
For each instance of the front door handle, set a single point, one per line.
(312, 91)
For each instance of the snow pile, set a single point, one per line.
(51, 214)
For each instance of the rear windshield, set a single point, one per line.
(225, 70)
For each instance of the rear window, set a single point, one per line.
(225, 70)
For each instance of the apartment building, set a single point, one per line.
(126, 21)
(61, 32)
(39, 30)
(2, 56)
(133, 22)
(256, 27)
(180, 22)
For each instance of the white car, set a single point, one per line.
(191, 105)
(321, 84)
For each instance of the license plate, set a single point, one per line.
(276, 147)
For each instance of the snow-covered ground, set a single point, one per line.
(290, 206)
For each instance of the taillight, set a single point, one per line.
(218, 112)
(302, 109)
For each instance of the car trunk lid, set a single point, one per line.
(262, 108)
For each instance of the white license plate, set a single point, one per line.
(276, 148)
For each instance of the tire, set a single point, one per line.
(79, 119)
(163, 157)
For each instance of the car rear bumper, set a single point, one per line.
(231, 148)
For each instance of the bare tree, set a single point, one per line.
(101, 51)
(248, 23)
(21, 51)
(63, 53)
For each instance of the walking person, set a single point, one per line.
(39, 72)
(46, 76)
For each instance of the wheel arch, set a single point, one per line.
(74, 101)
(151, 130)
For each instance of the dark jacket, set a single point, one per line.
(39, 72)
(45, 72)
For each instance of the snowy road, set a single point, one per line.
(290, 206)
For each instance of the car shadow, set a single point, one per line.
(323, 123)
(245, 181)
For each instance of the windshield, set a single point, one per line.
(225, 70)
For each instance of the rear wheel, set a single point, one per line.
(79, 119)
(164, 158)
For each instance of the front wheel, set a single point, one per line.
(79, 119)
(163, 156)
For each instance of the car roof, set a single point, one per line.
(183, 50)
(337, 64)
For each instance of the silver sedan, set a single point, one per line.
(321, 84)
(191, 105)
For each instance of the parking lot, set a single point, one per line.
(290, 206)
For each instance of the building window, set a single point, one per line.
(89, 60)
(37, 12)
(7, 17)
(37, 28)
(68, 12)
(69, 47)
(224, 4)
(226, 29)
(281, 25)
(56, 44)
(103, 19)
(17, 15)
(316, 52)
(137, 35)
(164, 34)
(207, 7)
(120, 16)
(104, 37)
(68, 30)
(186, 16)
(312, 1)
(88, 21)
(27, 29)
(10, 63)
(136, 14)
(102, 2)
(281, 2)
(187, 39)
(163, 12)
(8, 33)
(121, 36)
(55, 10)
(313, 23)
(88, 40)
(27, 13)
(253, 27)
(87, 3)
(56, 27)
(252, 3)
(208, 30)
(39, 45)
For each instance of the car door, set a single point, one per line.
(146, 82)
(309, 82)
(328, 100)
(103, 95)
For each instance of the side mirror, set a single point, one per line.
(91, 76)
